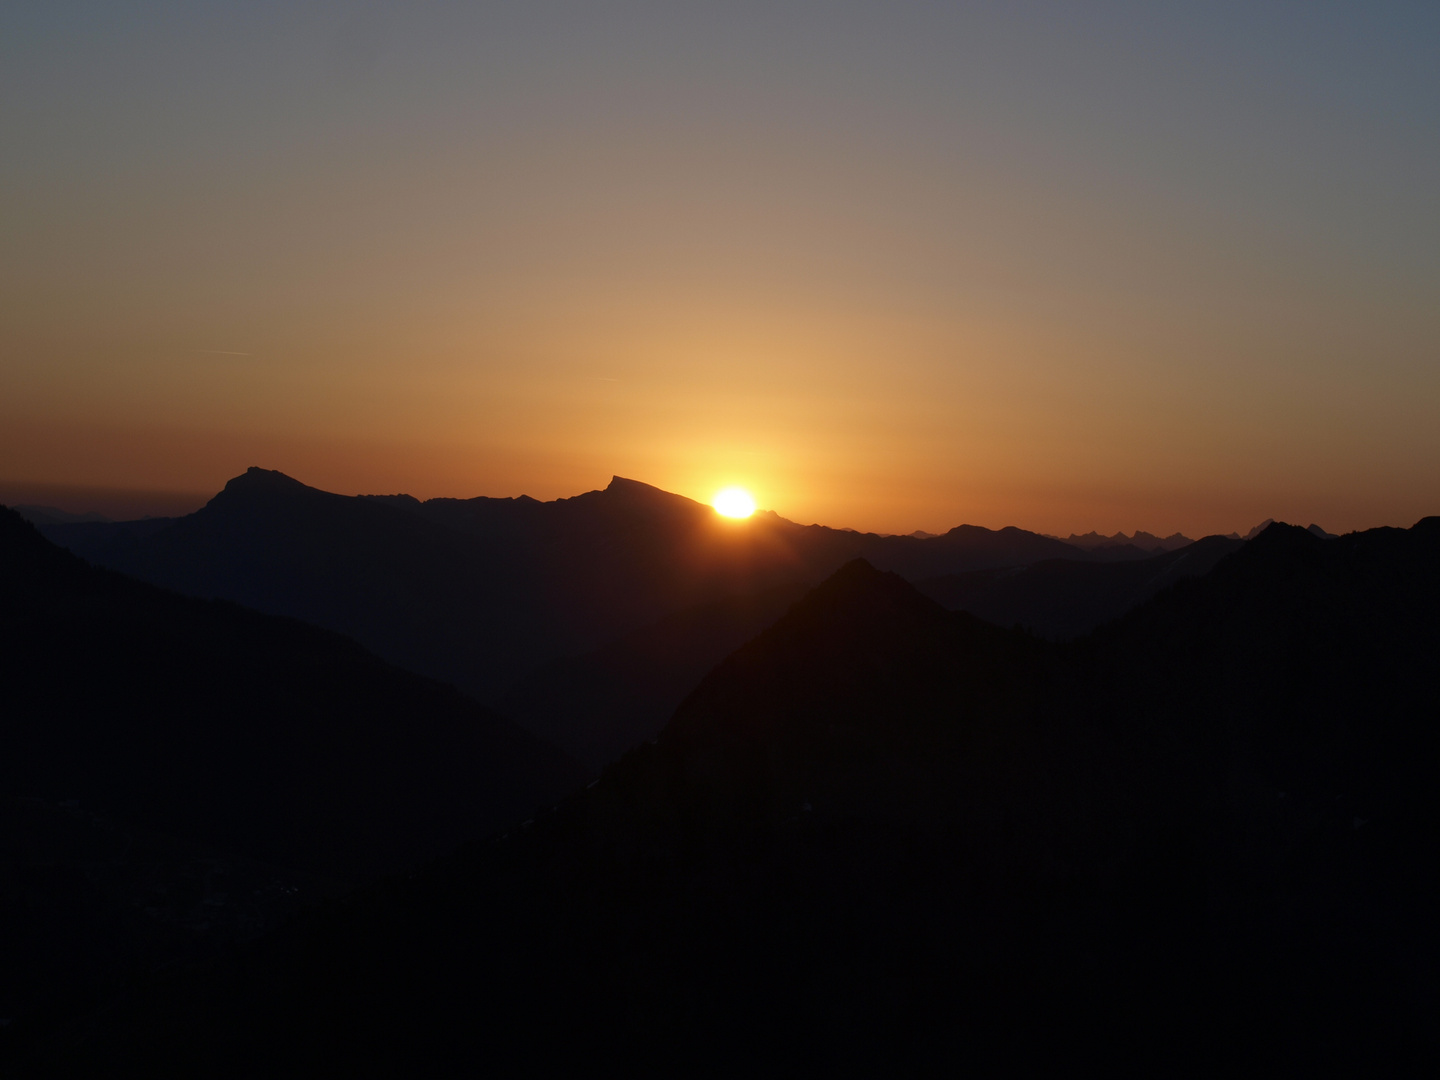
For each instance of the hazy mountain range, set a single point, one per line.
(585, 619)
(1038, 807)
(1092, 541)
(1062, 598)
(1144, 541)
(885, 836)
(491, 594)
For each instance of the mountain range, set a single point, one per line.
(1063, 598)
(886, 837)
(511, 599)
(1144, 541)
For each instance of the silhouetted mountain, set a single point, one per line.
(49, 515)
(1141, 541)
(421, 596)
(1063, 598)
(103, 543)
(599, 705)
(482, 592)
(883, 837)
(247, 732)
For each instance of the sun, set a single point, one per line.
(734, 502)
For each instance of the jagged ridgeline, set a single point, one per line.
(885, 837)
(584, 619)
(480, 592)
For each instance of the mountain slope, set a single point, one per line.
(245, 731)
(419, 595)
(598, 705)
(1064, 598)
(882, 836)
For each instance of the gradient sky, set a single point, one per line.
(890, 266)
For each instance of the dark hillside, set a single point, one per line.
(597, 706)
(422, 596)
(882, 837)
(1064, 598)
(257, 734)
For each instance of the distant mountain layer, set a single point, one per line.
(1063, 598)
(483, 592)
(598, 705)
(49, 515)
(250, 733)
(1144, 541)
(884, 838)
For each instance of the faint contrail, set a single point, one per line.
(223, 352)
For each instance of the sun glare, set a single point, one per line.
(734, 502)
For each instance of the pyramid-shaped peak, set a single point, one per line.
(621, 485)
(1282, 536)
(858, 603)
(858, 584)
(257, 479)
(858, 573)
(857, 632)
(258, 483)
(622, 489)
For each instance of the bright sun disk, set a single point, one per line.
(734, 502)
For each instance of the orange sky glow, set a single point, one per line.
(885, 273)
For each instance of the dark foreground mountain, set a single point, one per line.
(883, 837)
(1064, 598)
(483, 592)
(256, 734)
(177, 774)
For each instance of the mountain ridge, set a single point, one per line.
(1065, 598)
(482, 592)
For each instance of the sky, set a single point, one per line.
(888, 266)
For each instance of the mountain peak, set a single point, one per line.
(257, 486)
(256, 479)
(620, 485)
(859, 591)
(635, 493)
(858, 625)
(858, 573)
(1279, 540)
(1276, 531)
